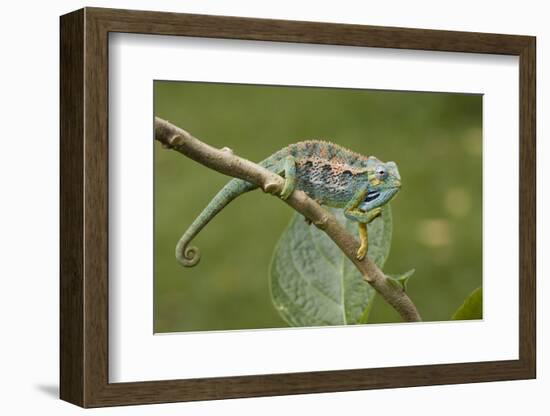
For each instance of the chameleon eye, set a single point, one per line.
(381, 172)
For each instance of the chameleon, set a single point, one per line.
(329, 173)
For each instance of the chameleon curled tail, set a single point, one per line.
(189, 256)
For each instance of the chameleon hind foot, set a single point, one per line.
(289, 172)
(287, 190)
(363, 248)
(271, 188)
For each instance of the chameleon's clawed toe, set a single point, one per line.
(287, 190)
(376, 212)
(285, 194)
(271, 188)
(361, 253)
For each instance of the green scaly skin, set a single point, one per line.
(332, 175)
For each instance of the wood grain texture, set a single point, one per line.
(527, 208)
(84, 206)
(96, 214)
(71, 214)
(162, 23)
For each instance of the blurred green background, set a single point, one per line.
(435, 138)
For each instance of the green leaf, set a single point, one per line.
(313, 283)
(472, 308)
(401, 279)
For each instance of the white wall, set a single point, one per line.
(29, 206)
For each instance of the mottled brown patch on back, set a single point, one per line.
(337, 160)
(340, 168)
(327, 151)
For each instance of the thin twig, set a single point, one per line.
(224, 161)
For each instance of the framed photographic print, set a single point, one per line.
(255, 207)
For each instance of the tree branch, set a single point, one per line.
(224, 161)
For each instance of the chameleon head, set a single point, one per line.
(383, 184)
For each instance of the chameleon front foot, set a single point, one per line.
(361, 253)
(363, 248)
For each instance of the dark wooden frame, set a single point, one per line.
(84, 207)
